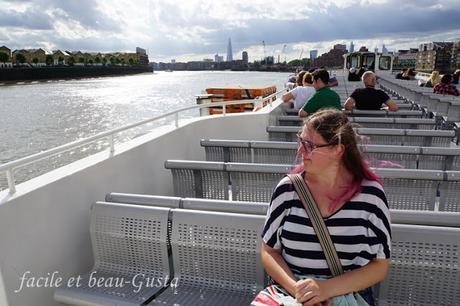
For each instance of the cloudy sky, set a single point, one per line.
(197, 29)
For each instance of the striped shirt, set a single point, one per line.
(360, 230)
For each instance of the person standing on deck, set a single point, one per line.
(324, 97)
(369, 98)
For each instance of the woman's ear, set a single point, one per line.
(340, 150)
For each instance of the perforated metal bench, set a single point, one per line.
(405, 188)
(217, 180)
(373, 122)
(425, 267)
(277, 152)
(411, 189)
(127, 240)
(404, 113)
(398, 216)
(216, 259)
(426, 138)
(450, 192)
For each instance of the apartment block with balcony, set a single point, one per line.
(435, 56)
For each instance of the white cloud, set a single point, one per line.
(195, 29)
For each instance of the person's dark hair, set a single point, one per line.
(334, 126)
(446, 79)
(321, 74)
(311, 70)
(410, 72)
(299, 78)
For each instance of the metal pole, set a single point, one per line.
(10, 178)
(112, 145)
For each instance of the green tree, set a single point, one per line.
(295, 63)
(104, 61)
(4, 57)
(35, 60)
(123, 61)
(81, 60)
(97, 60)
(131, 61)
(60, 60)
(117, 60)
(112, 60)
(49, 60)
(90, 62)
(20, 58)
(71, 61)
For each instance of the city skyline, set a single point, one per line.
(200, 29)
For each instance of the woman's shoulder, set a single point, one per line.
(372, 192)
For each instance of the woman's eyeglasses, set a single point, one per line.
(309, 146)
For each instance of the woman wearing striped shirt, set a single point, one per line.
(353, 205)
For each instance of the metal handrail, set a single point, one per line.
(10, 166)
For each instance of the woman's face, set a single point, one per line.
(315, 152)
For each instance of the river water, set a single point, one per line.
(38, 116)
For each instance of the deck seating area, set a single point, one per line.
(208, 234)
(276, 152)
(408, 189)
(402, 137)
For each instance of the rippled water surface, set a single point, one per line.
(38, 116)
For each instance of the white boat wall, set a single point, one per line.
(44, 224)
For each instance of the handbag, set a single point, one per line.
(332, 259)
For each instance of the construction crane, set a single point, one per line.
(263, 43)
(284, 52)
(301, 53)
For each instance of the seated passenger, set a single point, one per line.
(445, 87)
(324, 97)
(455, 78)
(353, 75)
(354, 207)
(369, 98)
(301, 94)
(333, 82)
(433, 80)
(399, 76)
(409, 74)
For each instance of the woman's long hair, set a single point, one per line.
(334, 126)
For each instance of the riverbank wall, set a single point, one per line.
(48, 73)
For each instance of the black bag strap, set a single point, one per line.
(319, 226)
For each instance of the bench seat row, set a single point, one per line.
(278, 152)
(213, 258)
(401, 137)
(405, 188)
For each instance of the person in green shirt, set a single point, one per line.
(324, 96)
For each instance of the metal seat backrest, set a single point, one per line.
(130, 239)
(214, 250)
(199, 179)
(411, 189)
(425, 267)
(450, 192)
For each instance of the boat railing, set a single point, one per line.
(9, 167)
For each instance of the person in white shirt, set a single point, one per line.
(300, 94)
